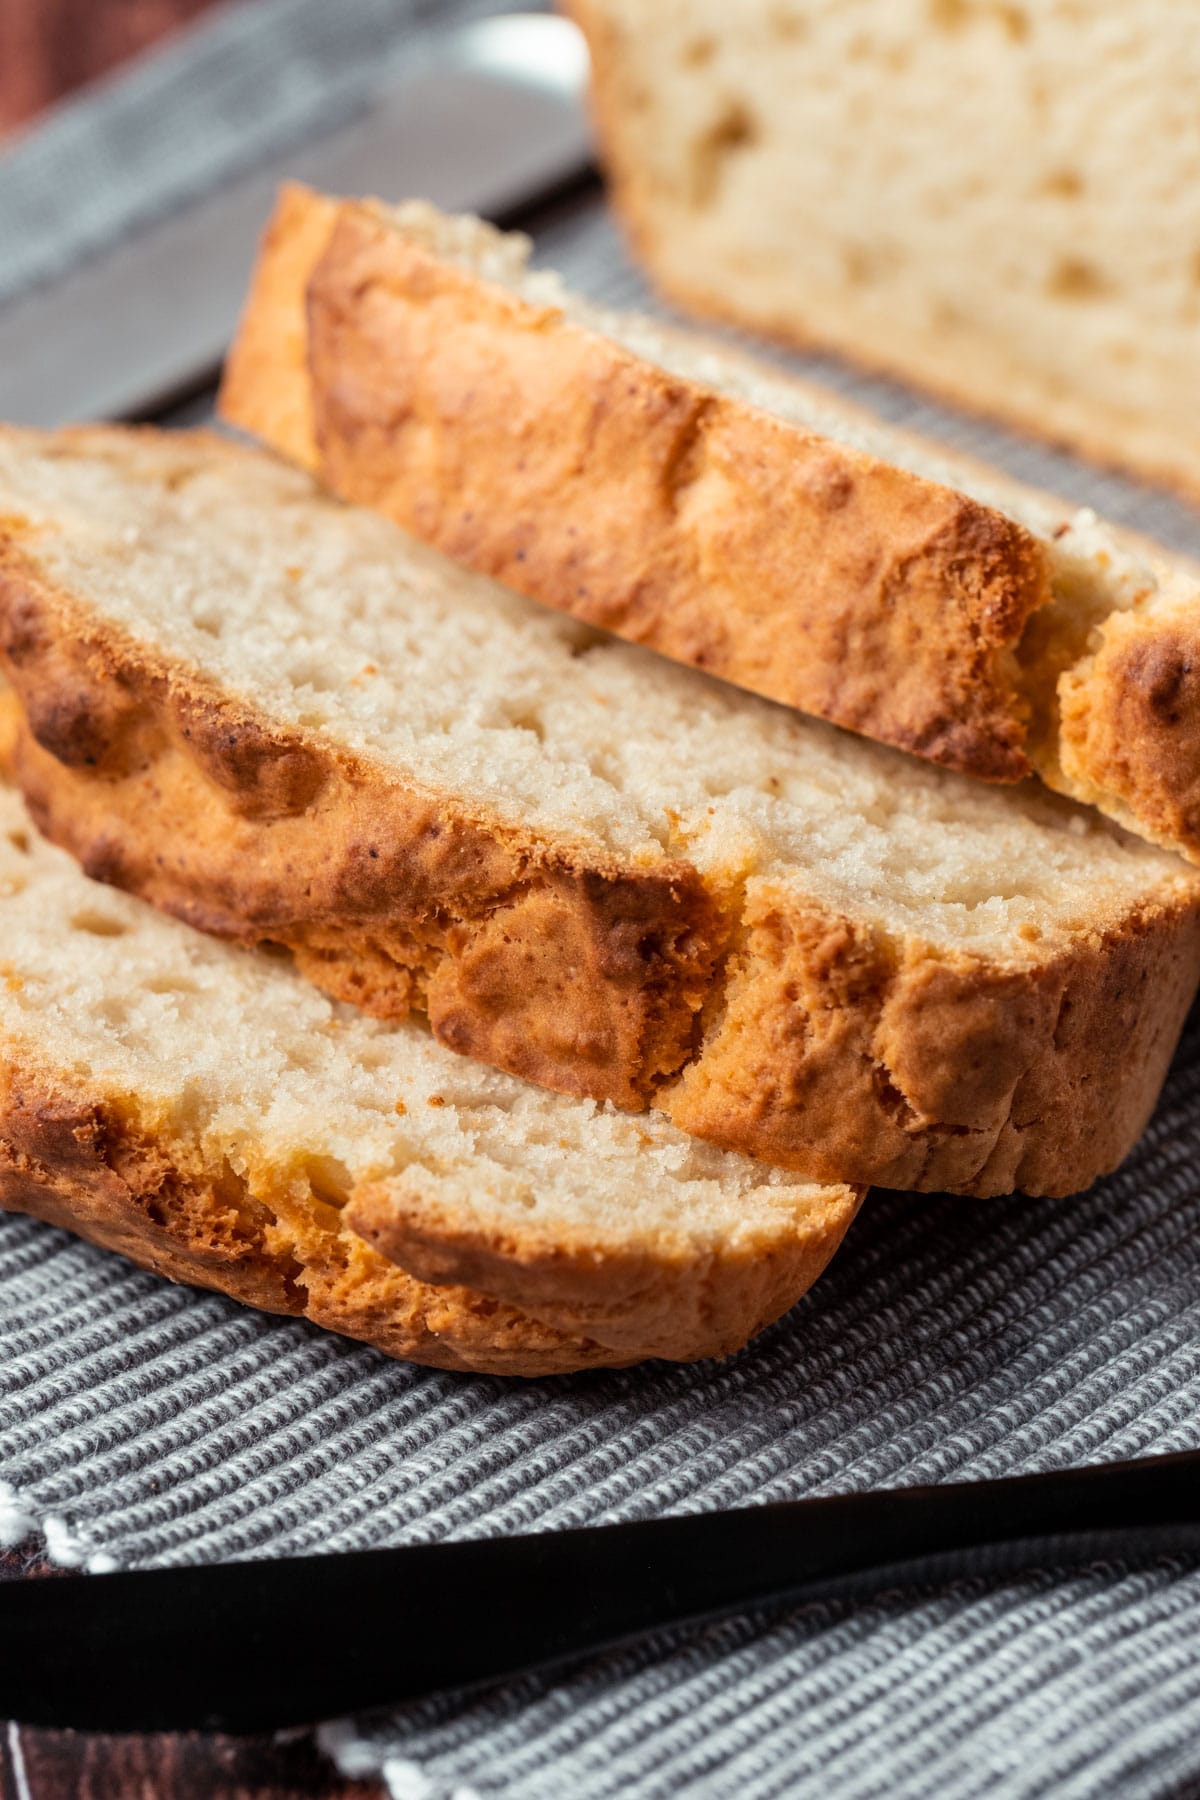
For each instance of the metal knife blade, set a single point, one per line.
(254, 1645)
(491, 116)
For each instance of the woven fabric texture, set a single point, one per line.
(143, 1424)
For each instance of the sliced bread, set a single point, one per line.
(284, 721)
(672, 490)
(995, 198)
(206, 1112)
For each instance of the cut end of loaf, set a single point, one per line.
(923, 187)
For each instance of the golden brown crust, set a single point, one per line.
(549, 960)
(511, 438)
(976, 1078)
(1129, 725)
(83, 1162)
(817, 1043)
(88, 1162)
(1125, 732)
(653, 1295)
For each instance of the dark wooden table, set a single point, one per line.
(81, 1765)
(48, 48)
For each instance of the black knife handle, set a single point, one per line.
(254, 1646)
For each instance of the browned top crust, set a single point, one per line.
(766, 1022)
(513, 440)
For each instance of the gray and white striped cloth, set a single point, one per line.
(143, 1424)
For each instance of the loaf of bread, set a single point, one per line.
(206, 1112)
(669, 489)
(1001, 201)
(284, 721)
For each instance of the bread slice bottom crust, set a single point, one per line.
(200, 1110)
(391, 897)
(84, 1162)
(71, 1159)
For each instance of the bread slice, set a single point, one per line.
(994, 199)
(285, 722)
(598, 467)
(206, 1112)
(673, 491)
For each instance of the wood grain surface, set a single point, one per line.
(78, 1765)
(50, 47)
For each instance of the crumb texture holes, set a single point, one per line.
(97, 923)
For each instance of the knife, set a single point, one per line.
(253, 1646)
(489, 117)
